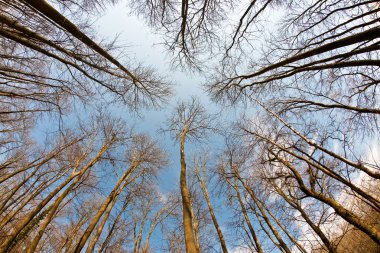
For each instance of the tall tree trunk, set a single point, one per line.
(156, 220)
(31, 196)
(186, 202)
(195, 229)
(30, 190)
(51, 13)
(51, 213)
(292, 239)
(306, 217)
(99, 231)
(138, 239)
(347, 215)
(9, 241)
(211, 210)
(247, 220)
(113, 227)
(113, 195)
(15, 190)
(263, 213)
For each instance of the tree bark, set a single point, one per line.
(113, 195)
(9, 241)
(350, 217)
(247, 220)
(186, 202)
(211, 210)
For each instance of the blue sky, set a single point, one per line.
(144, 46)
(140, 44)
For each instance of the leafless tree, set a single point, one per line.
(189, 28)
(189, 121)
(47, 61)
(291, 169)
(310, 174)
(199, 170)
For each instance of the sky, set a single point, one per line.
(144, 46)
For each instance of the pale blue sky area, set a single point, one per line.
(142, 45)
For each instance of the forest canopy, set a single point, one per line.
(296, 168)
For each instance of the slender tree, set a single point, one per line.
(189, 120)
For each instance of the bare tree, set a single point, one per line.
(189, 28)
(144, 155)
(47, 61)
(189, 121)
(201, 166)
(74, 172)
(310, 174)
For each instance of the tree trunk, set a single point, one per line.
(99, 231)
(195, 229)
(306, 217)
(350, 217)
(110, 232)
(113, 195)
(51, 213)
(250, 227)
(263, 214)
(31, 196)
(9, 241)
(216, 224)
(186, 202)
(15, 190)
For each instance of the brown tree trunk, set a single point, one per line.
(247, 220)
(15, 190)
(138, 239)
(246, 217)
(157, 218)
(113, 195)
(350, 217)
(263, 214)
(195, 228)
(112, 229)
(211, 210)
(306, 217)
(292, 239)
(99, 231)
(7, 244)
(51, 13)
(186, 202)
(29, 198)
(51, 213)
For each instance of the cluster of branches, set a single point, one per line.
(47, 60)
(54, 197)
(287, 189)
(315, 99)
(296, 174)
(190, 29)
(316, 108)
